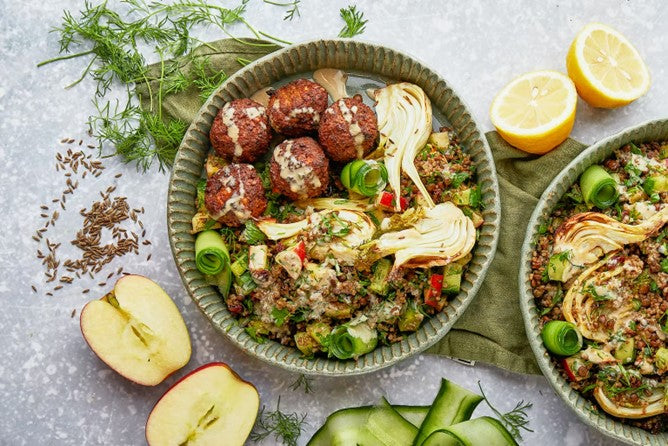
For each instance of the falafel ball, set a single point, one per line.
(240, 132)
(299, 169)
(295, 109)
(235, 194)
(348, 129)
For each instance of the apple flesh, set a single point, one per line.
(210, 406)
(137, 330)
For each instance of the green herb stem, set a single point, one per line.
(354, 22)
(66, 57)
(514, 420)
(285, 427)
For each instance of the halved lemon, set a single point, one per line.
(607, 70)
(536, 111)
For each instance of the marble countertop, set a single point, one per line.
(55, 391)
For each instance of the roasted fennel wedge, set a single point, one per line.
(404, 123)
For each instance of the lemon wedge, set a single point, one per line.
(536, 111)
(607, 70)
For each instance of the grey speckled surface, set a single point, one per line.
(55, 391)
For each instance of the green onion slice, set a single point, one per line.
(347, 342)
(366, 177)
(598, 187)
(211, 254)
(561, 338)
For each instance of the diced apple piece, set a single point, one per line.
(137, 330)
(210, 406)
(292, 259)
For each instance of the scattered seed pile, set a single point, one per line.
(107, 213)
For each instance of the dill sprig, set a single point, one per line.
(111, 37)
(285, 427)
(355, 23)
(514, 420)
(302, 381)
(293, 8)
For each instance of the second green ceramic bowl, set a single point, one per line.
(649, 131)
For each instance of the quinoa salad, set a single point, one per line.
(328, 226)
(600, 282)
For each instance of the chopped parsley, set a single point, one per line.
(459, 178)
(279, 315)
(591, 290)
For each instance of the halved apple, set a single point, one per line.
(137, 330)
(210, 406)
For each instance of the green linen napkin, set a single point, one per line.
(491, 330)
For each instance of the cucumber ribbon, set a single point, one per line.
(211, 254)
(348, 341)
(366, 177)
(598, 187)
(561, 338)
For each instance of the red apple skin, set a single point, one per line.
(102, 360)
(183, 378)
(206, 366)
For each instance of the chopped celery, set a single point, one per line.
(452, 278)
(245, 283)
(306, 344)
(467, 197)
(411, 318)
(252, 234)
(202, 221)
(223, 280)
(626, 352)
(556, 265)
(339, 310)
(656, 183)
(661, 359)
(256, 329)
(319, 331)
(240, 265)
(379, 282)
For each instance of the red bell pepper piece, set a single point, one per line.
(432, 296)
(386, 200)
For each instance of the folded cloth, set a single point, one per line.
(491, 330)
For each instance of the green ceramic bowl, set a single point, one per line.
(649, 131)
(370, 64)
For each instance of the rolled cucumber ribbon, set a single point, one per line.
(347, 342)
(211, 254)
(598, 187)
(561, 338)
(366, 177)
